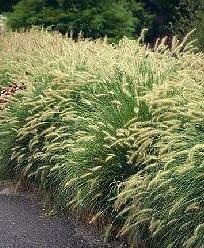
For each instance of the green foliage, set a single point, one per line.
(187, 14)
(174, 17)
(110, 130)
(200, 31)
(7, 5)
(93, 19)
(114, 19)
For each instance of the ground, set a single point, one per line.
(23, 225)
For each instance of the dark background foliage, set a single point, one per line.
(114, 18)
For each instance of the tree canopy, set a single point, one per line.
(114, 18)
(7, 5)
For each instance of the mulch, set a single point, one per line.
(9, 91)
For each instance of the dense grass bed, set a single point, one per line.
(113, 131)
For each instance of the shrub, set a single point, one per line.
(111, 131)
(113, 19)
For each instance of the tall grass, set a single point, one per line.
(109, 130)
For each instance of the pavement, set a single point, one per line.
(23, 225)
